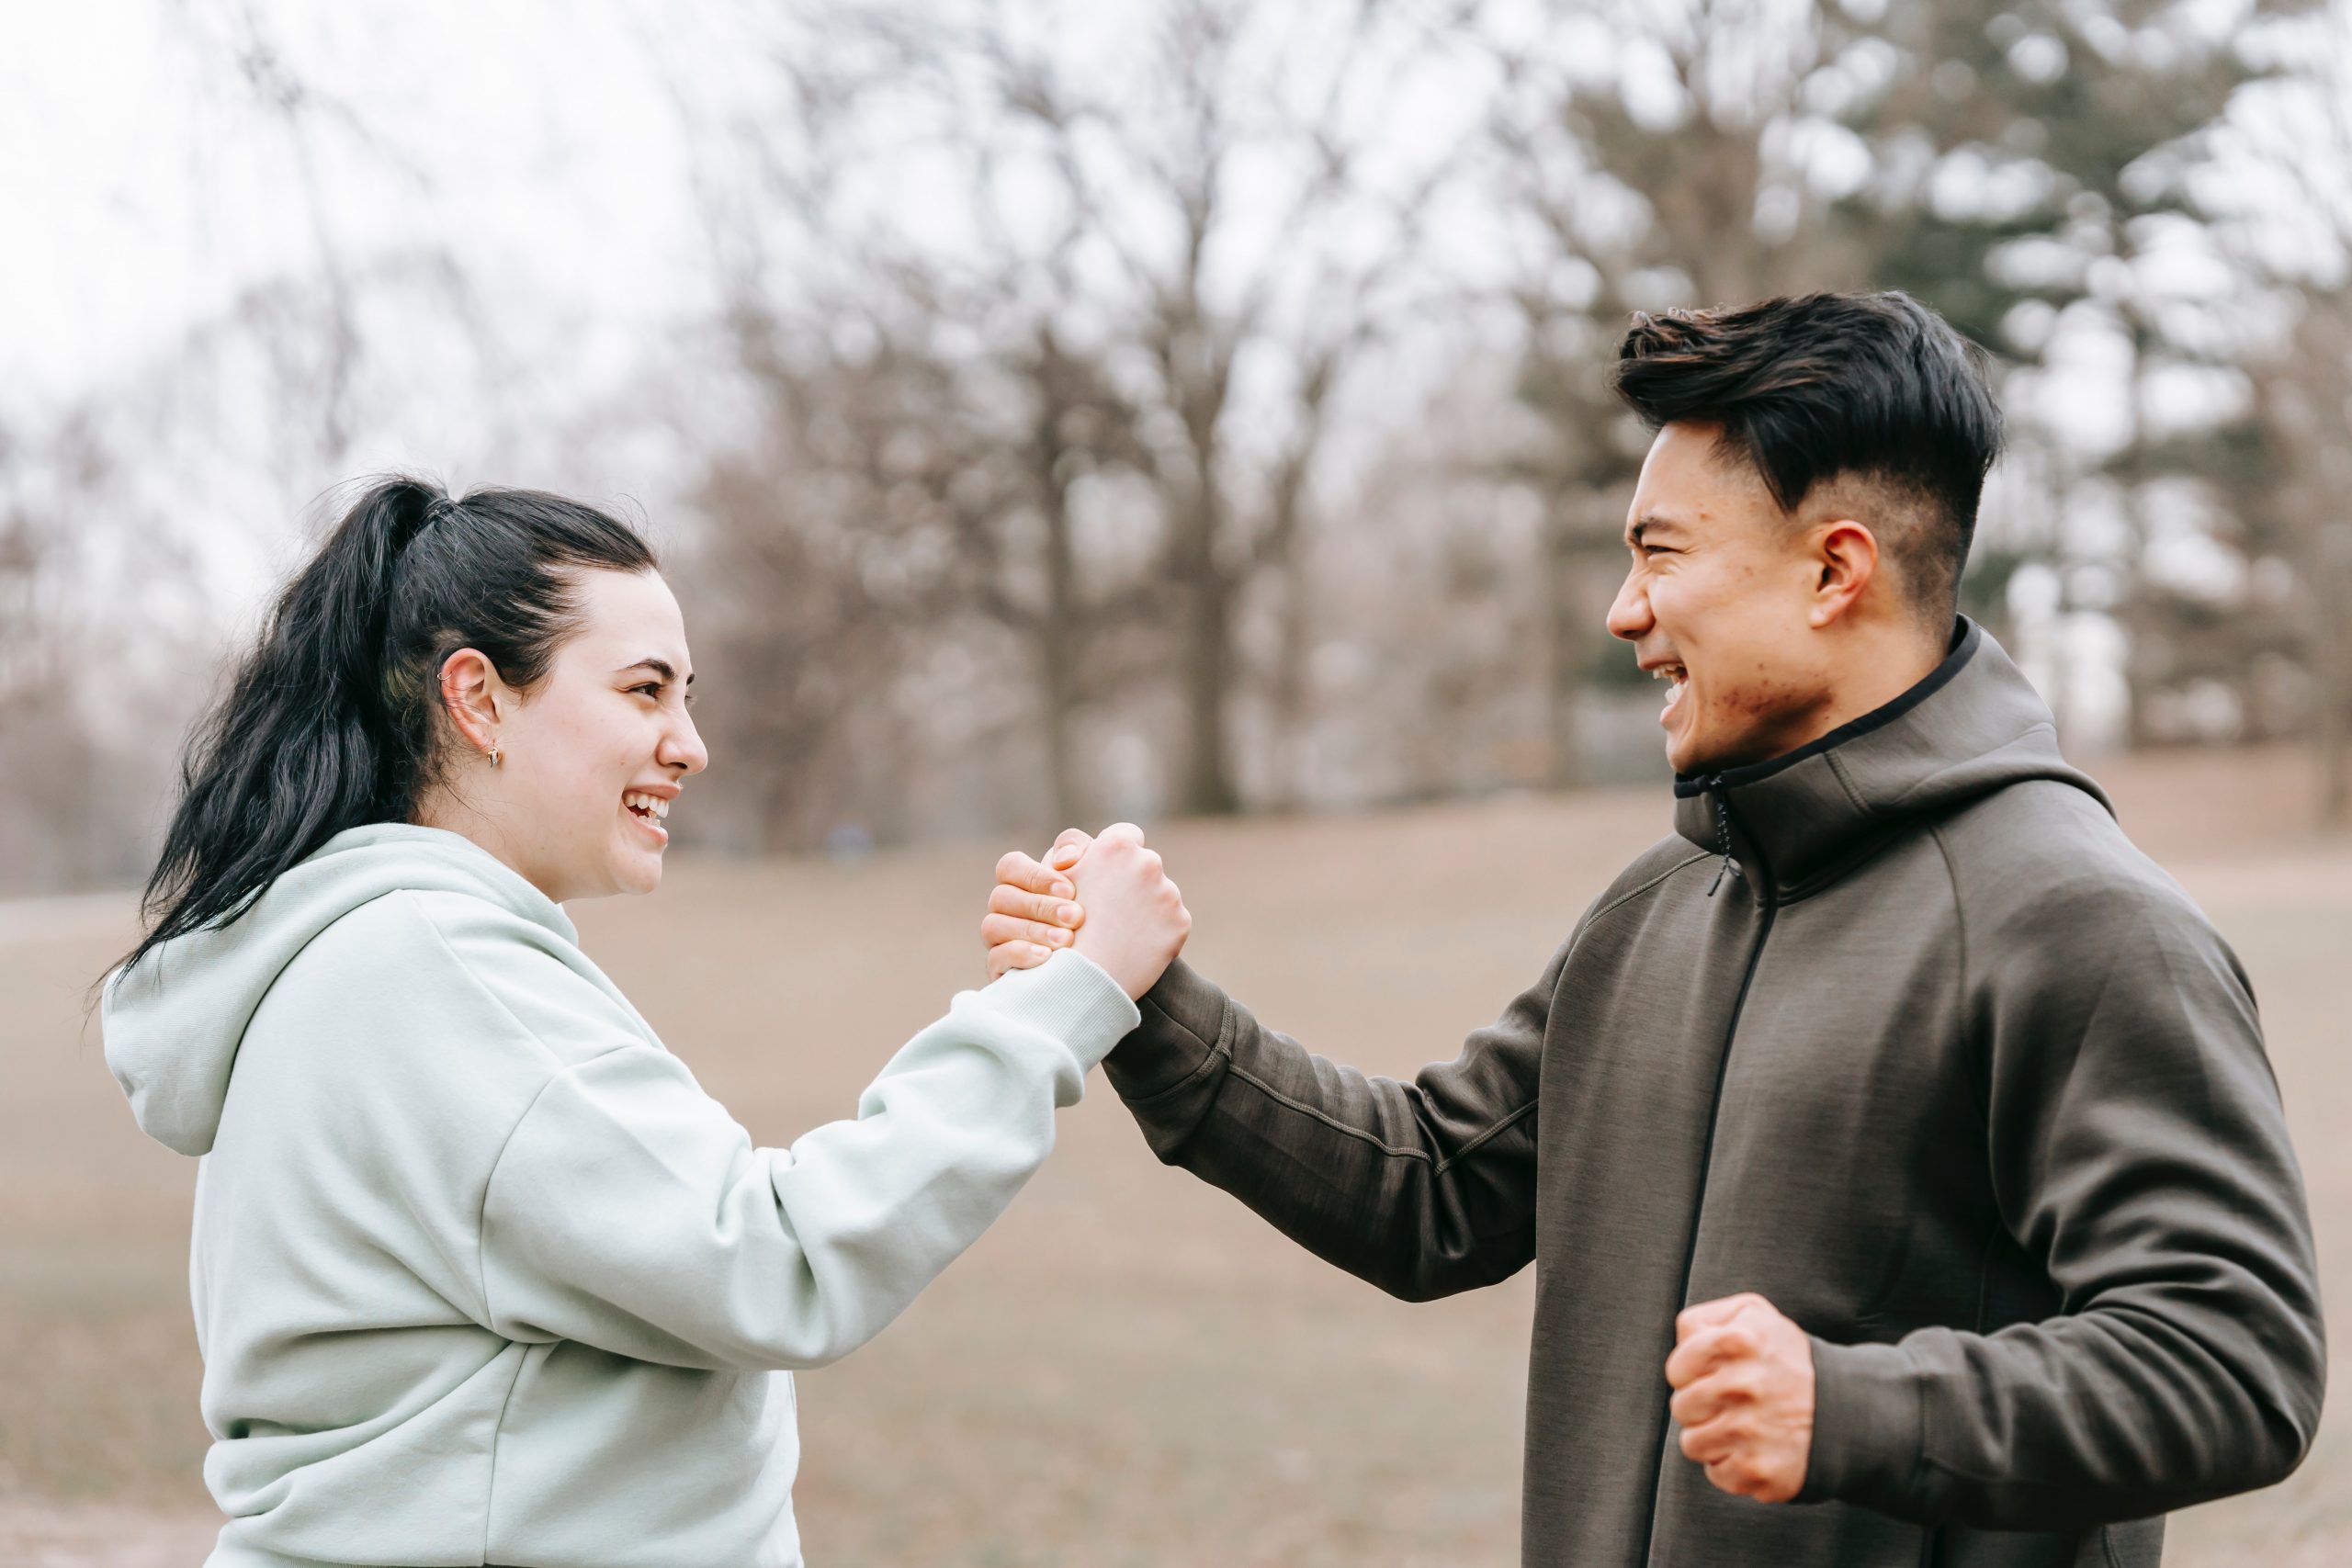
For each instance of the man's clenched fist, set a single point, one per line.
(1742, 1375)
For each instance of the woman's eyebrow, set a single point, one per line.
(661, 667)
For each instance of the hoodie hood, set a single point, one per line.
(1974, 726)
(173, 1023)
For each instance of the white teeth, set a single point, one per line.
(653, 806)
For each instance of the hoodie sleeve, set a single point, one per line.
(2139, 1156)
(630, 1211)
(1425, 1189)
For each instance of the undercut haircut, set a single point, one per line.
(1818, 387)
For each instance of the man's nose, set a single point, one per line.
(1629, 614)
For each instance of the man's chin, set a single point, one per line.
(1693, 759)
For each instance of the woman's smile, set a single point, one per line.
(647, 811)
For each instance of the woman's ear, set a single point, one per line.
(476, 700)
(1849, 560)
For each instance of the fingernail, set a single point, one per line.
(1060, 939)
(1061, 890)
(1068, 914)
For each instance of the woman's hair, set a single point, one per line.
(334, 720)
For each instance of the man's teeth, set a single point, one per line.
(653, 806)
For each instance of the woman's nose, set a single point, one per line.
(684, 749)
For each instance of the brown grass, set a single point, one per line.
(1130, 1370)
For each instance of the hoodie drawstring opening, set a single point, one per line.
(1723, 832)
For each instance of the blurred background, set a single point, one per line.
(1164, 409)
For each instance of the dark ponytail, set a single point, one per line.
(334, 720)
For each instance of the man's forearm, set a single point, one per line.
(1423, 1189)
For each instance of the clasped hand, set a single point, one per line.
(1107, 896)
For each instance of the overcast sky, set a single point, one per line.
(147, 181)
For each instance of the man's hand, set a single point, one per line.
(1743, 1380)
(1132, 921)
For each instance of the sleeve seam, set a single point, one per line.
(1221, 1048)
(1211, 1049)
(1633, 893)
(1437, 1167)
(559, 1071)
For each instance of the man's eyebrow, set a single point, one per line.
(661, 667)
(1644, 523)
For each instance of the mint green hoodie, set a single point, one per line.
(481, 1275)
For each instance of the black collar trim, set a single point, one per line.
(1967, 637)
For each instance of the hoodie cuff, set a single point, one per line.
(1183, 1017)
(1069, 996)
(1867, 1416)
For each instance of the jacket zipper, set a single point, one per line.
(1770, 904)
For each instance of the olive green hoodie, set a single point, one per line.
(1900, 1032)
(481, 1275)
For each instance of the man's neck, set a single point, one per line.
(1879, 666)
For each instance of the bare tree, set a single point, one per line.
(1143, 361)
(2296, 237)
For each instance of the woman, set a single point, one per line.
(482, 1276)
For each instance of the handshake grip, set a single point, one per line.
(1106, 896)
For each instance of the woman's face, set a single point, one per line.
(591, 760)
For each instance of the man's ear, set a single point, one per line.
(474, 697)
(1848, 553)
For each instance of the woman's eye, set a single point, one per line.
(651, 689)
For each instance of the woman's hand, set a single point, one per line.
(1107, 896)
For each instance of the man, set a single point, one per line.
(1895, 1143)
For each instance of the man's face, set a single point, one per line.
(1716, 602)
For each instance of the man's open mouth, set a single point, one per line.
(1678, 681)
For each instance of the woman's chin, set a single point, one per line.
(640, 874)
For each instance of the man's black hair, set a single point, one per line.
(1819, 386)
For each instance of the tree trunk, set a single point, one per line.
(1058, 650)
(2332, 734)
(1565, 635)
(1206, 788)
(1290, 683)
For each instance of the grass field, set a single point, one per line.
(1130, 1370)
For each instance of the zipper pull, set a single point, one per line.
(1722, 829)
